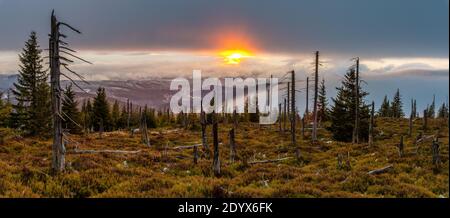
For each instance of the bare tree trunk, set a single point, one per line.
(371, 124)
(204, 139)
(316, 89)
(285, 115)
(58, 157)
(232, 146)
(216, 160)
(411, 117)
(280, 118)
(425, 120)
(293, 118)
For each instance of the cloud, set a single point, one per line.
(347, 27)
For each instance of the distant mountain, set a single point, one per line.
(152, 92)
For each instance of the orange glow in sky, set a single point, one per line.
(234, 57)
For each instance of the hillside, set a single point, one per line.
(162, 171)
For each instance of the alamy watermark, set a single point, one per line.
(227, 97)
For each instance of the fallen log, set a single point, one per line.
(269, 161)
(77, 151)
(186, 146)
(381, 170)
(424, 138)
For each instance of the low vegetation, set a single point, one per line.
(326, 169)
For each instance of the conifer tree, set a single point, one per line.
(397, 106)
(70, 111)
(101, 115)
(443, 111)
(385, 108)
(32, 112)
(342, 113)
(323, 102)
(432, 108)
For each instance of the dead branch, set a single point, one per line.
(77, 151)
(269, 161)
(381, 170)
(186, 146)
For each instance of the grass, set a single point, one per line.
(160, 171)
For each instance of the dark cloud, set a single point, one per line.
(350, 27)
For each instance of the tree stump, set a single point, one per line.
(435, 152)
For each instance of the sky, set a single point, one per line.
(401, 43)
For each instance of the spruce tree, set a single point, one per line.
(443, 111)
(71, 115)
(32, 113)
(87, 115)
(397, 106)
(385, 108)
(101, 114)
(432, 108)
(342, 114)
(323, 102)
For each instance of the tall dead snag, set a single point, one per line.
(293, 117)
(280, 118)
(435, 152)
(371, 124)
(56, 47)
(307, 99)
(232, 145)
(401, 147)
(216, 160)
(203, 124)
(284, 115)
(356, 127)
(425, 119)
(235, 119)
(316, 90)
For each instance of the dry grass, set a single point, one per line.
(155, 172)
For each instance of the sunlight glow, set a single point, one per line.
(234, 57)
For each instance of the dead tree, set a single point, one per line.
(425, 119)
(235, 119)
(232, 145)
(284, 115)
(411, 117)
(293, 117)
(307, 98)
(435, 152)
(316, 89)
(371, 124)
(356, 127)
(203, 123)
(216, 160)
(280, 118)
(56, 47)
(401, 147)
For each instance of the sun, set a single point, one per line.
(234, 57)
